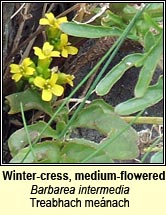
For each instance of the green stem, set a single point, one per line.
(26, 131)
(150, 149)
(144, 120)
(153, 13)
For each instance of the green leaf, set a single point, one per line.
(152, 23)
(76, 150)
(147, 71)
(30, 100)
(154, 7)
(45, 152)
(149, 41)
(112, 19)
(100, 116)
(157, 157)
(155, 10)
(123, 148)
(91, 31)
(152, 96)
(105, 85)
(19, 140)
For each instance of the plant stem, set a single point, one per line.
(150, 149)
(26, 131)
(144, 120)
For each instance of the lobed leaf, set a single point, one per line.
(76, 150)
(18, 140)
(45, 152)
(30, 100)
(100, 116)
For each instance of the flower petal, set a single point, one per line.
(62, 19)
(47, 47)
(72, 50)
(69, 79)
(55, 54)
(65, 79)
(53, 79)
(27, 62)
(14, 68)
(16, 77)
(46, 95)
(39, 82)
(44, 21)
(64, 39)
(39, 53)
(50, 16)
(29, 71)
(57, 90)
(64, 53)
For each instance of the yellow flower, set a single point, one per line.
(49, 86)
(22, 70)
(46, 52)
(52, 21)
(65, 79)
(65, 47)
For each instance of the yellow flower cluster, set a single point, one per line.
(46, 51)
(59, 39)
(49, 81)
(52, 21)
(22, 70)
(49, 86)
